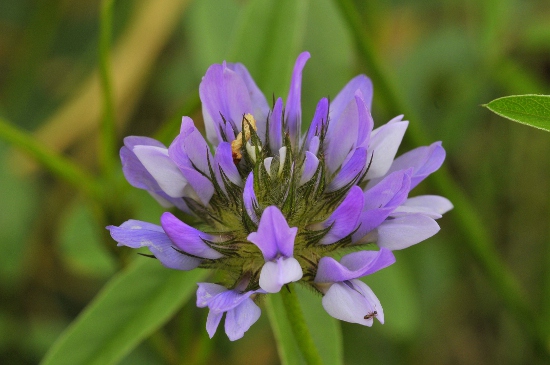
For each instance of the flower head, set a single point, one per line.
(276, 206)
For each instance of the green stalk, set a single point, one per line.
(107, 149)
(299, 327)
(57, 165)
(476, 237)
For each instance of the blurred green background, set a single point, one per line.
(439, 59)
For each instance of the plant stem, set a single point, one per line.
(108, 126)
(298, 324)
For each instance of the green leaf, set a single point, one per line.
(130, 307)
(533, 110)
(324, 329)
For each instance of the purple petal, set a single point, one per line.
(311, 162)
(351, 170)
(206, 292)
(347, 94)
(353, 265)
(260, 108)
(134, 171)
(431, 205)
(190, 149)
(344, 219)
(402, 232)
(224, 160)
(241, 318)
(341, 136)
(424, 160)
(365, 121)
(274, 236)
(223, 91)
(320, 118)
(228, 300)
(383, 146)
(293, 108)
(249, 198)
(276, 127)
(351, 302)
(137, 234)
(314, 145)
(276, 274)
(212, 322)
(203, 189)
(382, 199)
(163, 169)
(187, 238)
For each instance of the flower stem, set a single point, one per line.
(299, 327)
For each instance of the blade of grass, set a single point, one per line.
(477, 239)
(57, 165)
(107, 150)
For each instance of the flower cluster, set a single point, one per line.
(276, 206)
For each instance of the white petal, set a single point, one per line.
(282, 159)
(384, 144)
(164, 170)
(346, 304)
(267, 164)
(402, 232)
(276, 274)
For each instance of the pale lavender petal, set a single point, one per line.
(206, 292)
(345, 218)
(314, 145)
(187, 238)
(276, 127)
(212, 322)
(224, 160)
(353, 265)
(311, 162)
(276, 274)
(163, 169)
(383, 146)
(190, 149)
(202, 186)
(131, 141)
(274, 236)
(228, 300)
(382, 199)
(260, 107)
(241, 318)
(135, 173)
(320, 118)
(341, 137)
(424, 160)
(351, 302)
(137, 234)
(293, 107)
(223, 93)
(431, 205)
(351, 170)
(267, 165)
(371, 298)
(249, 198)
(402, 232)
(366, 123)
(347, 94)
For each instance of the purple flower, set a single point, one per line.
(276, 241)
(273, 206)
(347, 298)
(241, 311)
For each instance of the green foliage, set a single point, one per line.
(130, 307)
(532, 110)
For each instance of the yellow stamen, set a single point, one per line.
(237, 144)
